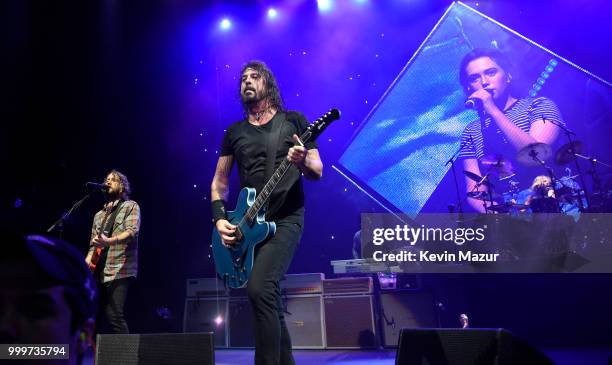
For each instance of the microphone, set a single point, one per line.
(473, 103)
(96, 186)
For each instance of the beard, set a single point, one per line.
(251, 98)
(112, 195)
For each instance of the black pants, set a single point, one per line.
(272, 342)
(112, 301)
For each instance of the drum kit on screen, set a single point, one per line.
(548, 193)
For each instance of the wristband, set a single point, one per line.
(218, 210)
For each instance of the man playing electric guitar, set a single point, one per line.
(246, 142)
(113, 250)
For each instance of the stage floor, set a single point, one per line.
(583, 356)
(578, 356)
(313, 357)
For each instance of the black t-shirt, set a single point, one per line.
(247, 143)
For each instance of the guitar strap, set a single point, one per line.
(107, 228)
(273, 143)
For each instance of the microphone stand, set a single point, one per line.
(593, 172)
(569, 133)
(597, 191)
(482, 116)
(452, 162)
(489, 192)
(59, 224)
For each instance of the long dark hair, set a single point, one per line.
(272, 91)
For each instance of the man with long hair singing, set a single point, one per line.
(113, 251)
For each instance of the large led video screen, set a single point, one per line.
(400, 152)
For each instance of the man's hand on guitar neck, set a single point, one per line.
(308, 161)
(226, 231)
(297, 153)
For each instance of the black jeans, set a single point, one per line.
(272, 341)
(112, 301)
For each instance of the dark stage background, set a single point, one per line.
(148, 87)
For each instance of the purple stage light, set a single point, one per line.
(225, 24)
(272, 13)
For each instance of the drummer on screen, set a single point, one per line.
(508, 123)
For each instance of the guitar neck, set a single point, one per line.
(267, 190)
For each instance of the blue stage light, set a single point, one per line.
(324, 5)
(225, 24)
(272, 13)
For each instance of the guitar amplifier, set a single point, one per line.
(305, 321)
(292, 284)
(240, 323)
(297, 284)
(206, 287)
(303, 317)
(238, 292)
(350, 322)
(207, 315)
(347, 286)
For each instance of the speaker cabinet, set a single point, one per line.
(203, 314)
(349, 322)
(465, 346)
(304, 319)
(155, 349)
(405, 309)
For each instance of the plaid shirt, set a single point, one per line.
(122, 257)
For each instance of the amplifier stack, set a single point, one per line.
(209, 307)
(344, 313)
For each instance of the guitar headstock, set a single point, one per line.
(318, 126)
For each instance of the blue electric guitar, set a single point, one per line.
(234, 264)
